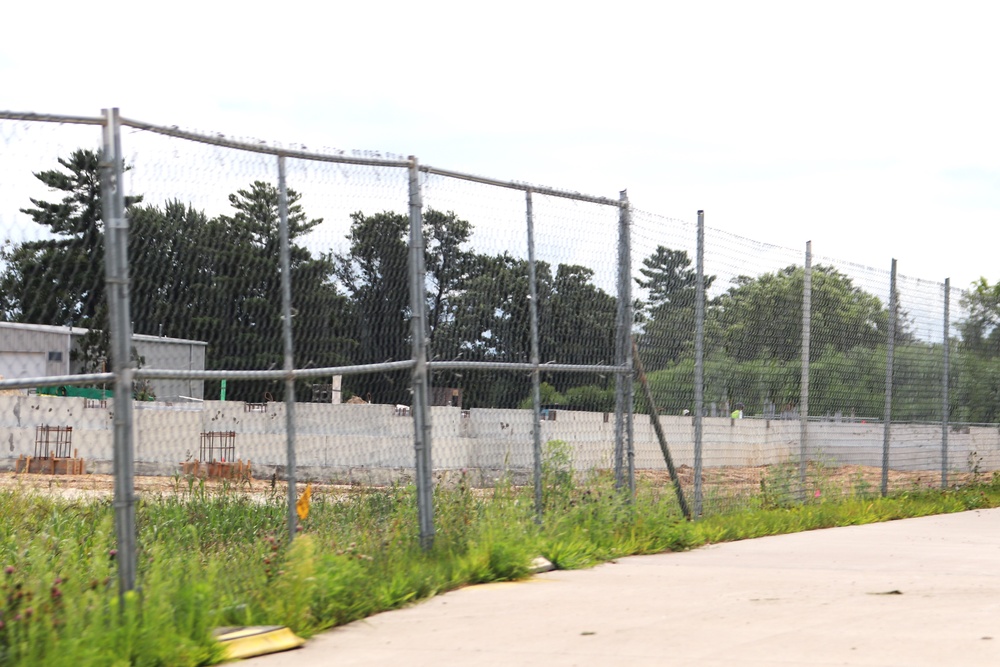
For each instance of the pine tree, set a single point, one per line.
(59, 279)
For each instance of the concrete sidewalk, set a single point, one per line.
(915, 592)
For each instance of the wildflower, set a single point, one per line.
(9, 569)
(113, 553)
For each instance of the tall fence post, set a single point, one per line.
(420, 375)
(946, 373)
(622, 341)
(804, 381)
(890, 349)
(536, 392)
(625, 231)
(699, 362)
(120, 323)
(286, 329)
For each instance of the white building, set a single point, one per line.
(39, 351)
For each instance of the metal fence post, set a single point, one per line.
(120, 323)
(699, 362)
(890, 349)
(946, 373)
(286, 326)
(420, 375)
(536, 392)
(804, 381)
(626, 267)
(622, 342)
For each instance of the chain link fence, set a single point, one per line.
(362, 318)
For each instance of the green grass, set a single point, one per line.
(213, 559)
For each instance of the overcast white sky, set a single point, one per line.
(871, 128)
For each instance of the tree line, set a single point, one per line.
(217, 279)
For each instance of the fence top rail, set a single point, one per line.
(524, 187)
(340, 157)
(343, 158)
(51, 118)
(262, 146)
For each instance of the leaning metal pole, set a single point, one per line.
(890, 350)
(699, 361)
(120, 323)
(946, 372)
(654, 417)
(804, 381)
(286, 328)
(536, 392)
(420, 375)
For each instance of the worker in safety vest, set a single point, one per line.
(738, 412)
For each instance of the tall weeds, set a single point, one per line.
(210, 559)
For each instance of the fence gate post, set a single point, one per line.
(890, 349)
(536, 392)
(120, 323)
(286, 328)
(626, 262)
(699, 361)
(804, 382)
(946, 372)
(420, 375)
(623, 346)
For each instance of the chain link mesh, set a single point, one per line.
(206, 298)
(481, 312)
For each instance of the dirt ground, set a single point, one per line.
(825, 479)
(103, 486)
(735, 481)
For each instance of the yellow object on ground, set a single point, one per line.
(302, 504)
(248, 642)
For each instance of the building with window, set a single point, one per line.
(40, 351)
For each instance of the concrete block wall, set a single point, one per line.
(376, 441)
(20, 415)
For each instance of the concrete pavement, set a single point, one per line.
(914, 592)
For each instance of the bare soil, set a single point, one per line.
(730, 481)
(829, 479)
(103, 486)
